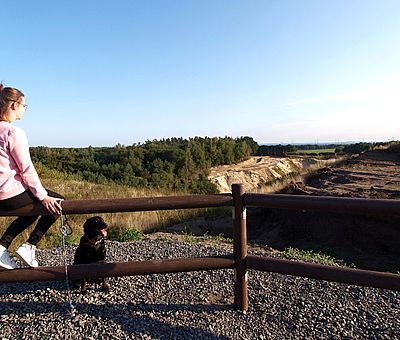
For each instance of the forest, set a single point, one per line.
(173, 163)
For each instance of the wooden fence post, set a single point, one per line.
(240, 248)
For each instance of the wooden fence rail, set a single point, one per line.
(367, 278)
(77, 207)
(240, 261)
(89, 271)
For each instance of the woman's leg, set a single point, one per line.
(23, 222)
(44, 223)
(15, 228)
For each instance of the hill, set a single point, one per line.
(369, 242)
(266, 172)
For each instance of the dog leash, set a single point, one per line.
(64, 233)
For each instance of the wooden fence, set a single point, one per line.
(241, 262)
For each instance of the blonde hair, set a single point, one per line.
(8, 95)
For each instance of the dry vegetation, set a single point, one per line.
(72, 188)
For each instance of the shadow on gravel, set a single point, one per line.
(173, 308)
(21, 288)
(125, 315)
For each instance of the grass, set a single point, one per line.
(314, 151)
(318, 257)
(190, 238)
(123, 224)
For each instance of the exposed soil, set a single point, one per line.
(255, 172)
(368, 242)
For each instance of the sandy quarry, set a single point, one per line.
(256, 172)
(369, 242)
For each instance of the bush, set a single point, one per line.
(131, 234)
(124, 235)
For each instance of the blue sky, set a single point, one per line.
(99, 73)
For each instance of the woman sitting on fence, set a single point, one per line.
(19, 182)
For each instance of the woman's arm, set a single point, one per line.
(19, 151)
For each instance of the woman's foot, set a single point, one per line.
(6, 261)
(26, 253)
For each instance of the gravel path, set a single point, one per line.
(194, 305)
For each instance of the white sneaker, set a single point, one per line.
(26, 253)
(5, 260)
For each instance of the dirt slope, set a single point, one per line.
(257, 171)
(375, 174)
(370, 242)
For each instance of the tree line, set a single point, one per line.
(284, 150)
(173, 163)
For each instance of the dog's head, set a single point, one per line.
(95, 228)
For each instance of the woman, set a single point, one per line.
(19, 182)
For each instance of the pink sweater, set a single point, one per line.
(17, 172)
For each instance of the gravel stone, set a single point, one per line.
(194, 305)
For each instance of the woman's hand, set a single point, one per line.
(52, 204)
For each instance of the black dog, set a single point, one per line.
(92, 249)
